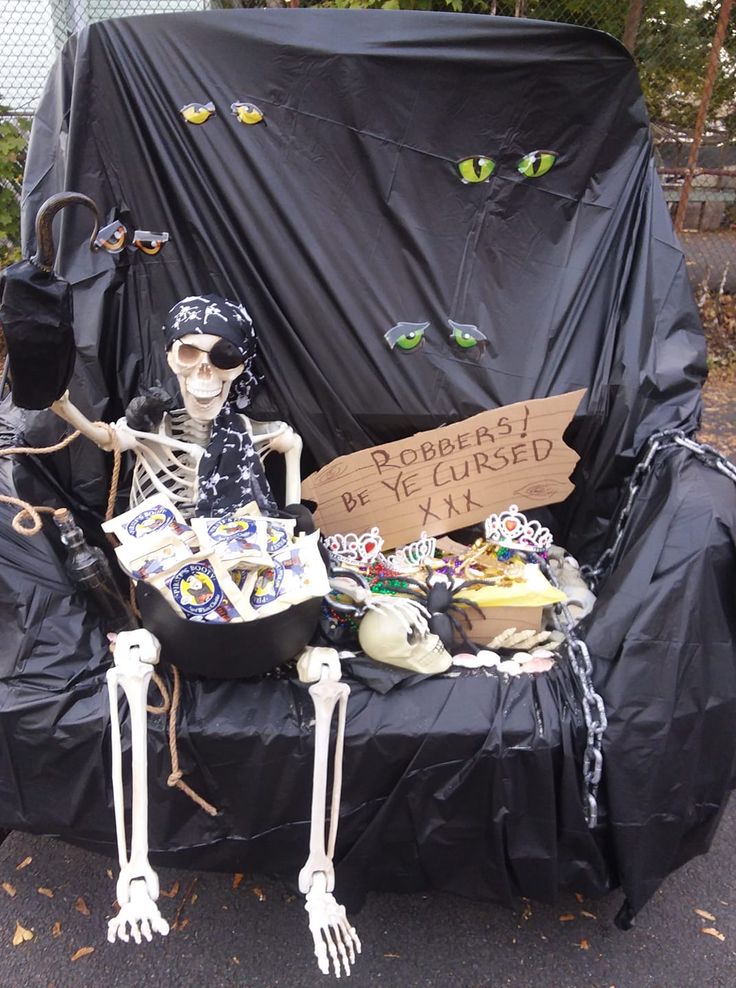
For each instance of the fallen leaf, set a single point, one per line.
(179, 923)
(172, 892)
(392, 955)
(21, 934)
(194, 898)
(49, 893)
(705, 915)
(81, 906)
(183, 923)
(108, 872)
(56, 929)
(567, 917)
(580, 897)
(82, 952)
(24, 863)
(237, 879)
(236, 960)
(259, 893)
(713, 932)
(289, 898)
(587, 914)
(584, 945)
(10, 889)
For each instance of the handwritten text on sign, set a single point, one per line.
(449, 477)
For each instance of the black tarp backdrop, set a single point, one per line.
(339, 217)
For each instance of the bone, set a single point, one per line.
(136, 654)
(335, 940)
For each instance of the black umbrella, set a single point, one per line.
(36, 314)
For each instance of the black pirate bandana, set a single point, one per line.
(230, 471)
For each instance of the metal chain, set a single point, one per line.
(659, 441)
(594, 712)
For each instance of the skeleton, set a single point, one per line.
(167, 462)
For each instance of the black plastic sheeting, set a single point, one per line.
(339, 217)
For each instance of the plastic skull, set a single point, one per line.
(204, 386)
(394, 631)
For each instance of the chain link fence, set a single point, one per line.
(684, 49)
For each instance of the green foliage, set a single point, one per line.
(672, 48)
(13, 142)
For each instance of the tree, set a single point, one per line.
(13, 140)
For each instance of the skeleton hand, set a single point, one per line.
(330, 929)
(140, 913)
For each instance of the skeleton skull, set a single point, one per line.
(395, 632)
(204, 386)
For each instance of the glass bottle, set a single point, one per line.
(89, 570)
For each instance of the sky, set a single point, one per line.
(27, 48)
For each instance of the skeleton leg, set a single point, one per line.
(334, 937)
(136, 653)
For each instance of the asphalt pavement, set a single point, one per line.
(252, 932)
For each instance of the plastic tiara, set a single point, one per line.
(413, 555)
(357, 550)
(512, 530)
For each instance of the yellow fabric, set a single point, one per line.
(534, 590)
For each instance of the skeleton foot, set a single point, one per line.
(139, 916)
(334, 938)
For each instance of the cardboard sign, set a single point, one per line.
(450, 477)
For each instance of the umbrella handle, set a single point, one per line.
(45, 250)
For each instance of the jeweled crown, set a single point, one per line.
(356, 550)
(513, 530)
(414, 555)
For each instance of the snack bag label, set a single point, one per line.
(239, 534)
(277, 535)
(239, 576)
(150, 555)
(196, 589)
(151, 520)
(268, 585)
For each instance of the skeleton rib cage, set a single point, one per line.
(167, 462)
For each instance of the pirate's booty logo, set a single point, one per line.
(268, 585)
(150, 520)
(196, 590)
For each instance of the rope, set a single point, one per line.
(29, 512)
(161, 687)
(175, 779)
(66, 441)
(115, 479)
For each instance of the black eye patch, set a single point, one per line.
(226, 355)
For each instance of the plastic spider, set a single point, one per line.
(443, 603)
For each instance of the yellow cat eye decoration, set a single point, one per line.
(476, 169)
(198, 113)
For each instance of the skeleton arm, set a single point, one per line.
(280, 438)
(100, 433)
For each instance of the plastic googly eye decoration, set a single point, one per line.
(198, 113)
(476, 169)
(247, 113)
(149, 242)
(406, 335)
(111, 238)
(466, 335)
(536, 163)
